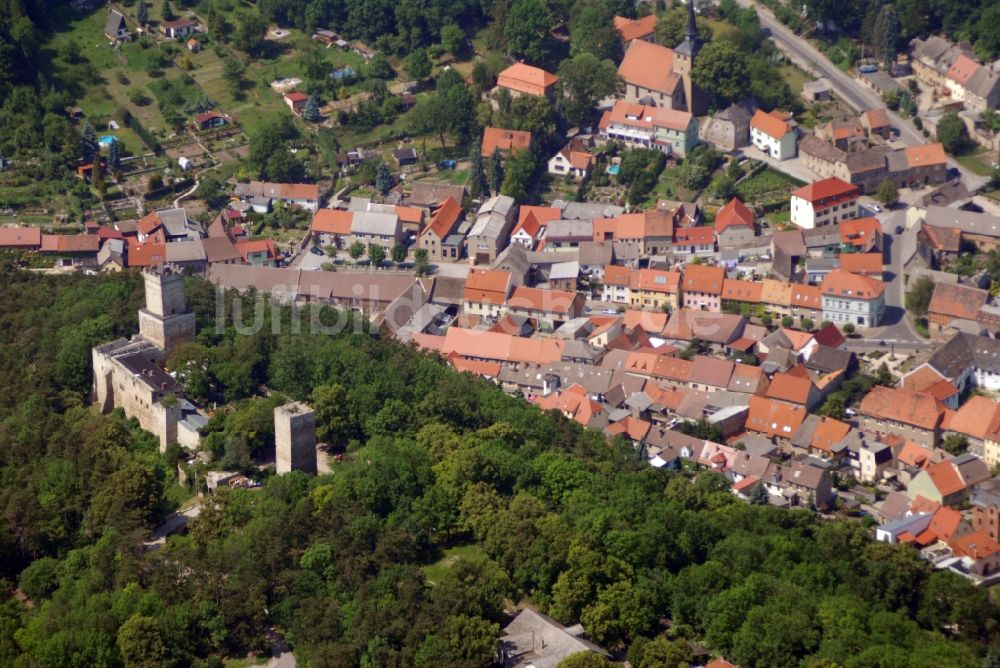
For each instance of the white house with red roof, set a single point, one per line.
(773, 133)
(824, 202)
(852, 298)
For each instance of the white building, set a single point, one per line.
(773, 134)
(852, 298)
(824, 202)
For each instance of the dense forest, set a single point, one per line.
(554, 516)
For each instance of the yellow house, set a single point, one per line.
(991, 450)
(654, 289)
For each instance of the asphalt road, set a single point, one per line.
(849, 89)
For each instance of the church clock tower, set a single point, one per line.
(684, 57)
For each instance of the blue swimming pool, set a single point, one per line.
(614, 169)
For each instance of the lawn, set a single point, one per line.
(794, 77)
(976, 161)
(434, 572)
(767, 185)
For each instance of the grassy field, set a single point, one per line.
(767, 185)
(434, 572)
(978, 161)
(794, 77)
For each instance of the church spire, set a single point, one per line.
(691, 34)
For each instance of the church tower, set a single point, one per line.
(684, 57)
(165, 322)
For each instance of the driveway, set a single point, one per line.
(849, 89)
(795, 167)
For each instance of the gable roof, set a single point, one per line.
(927, 155)
(526, 79)
(703, 278)
(630, 29)
(830, 191)
(774, 418)
(793, 389)
(842, 284)
(505, 140)
(734, 213)
(20, 237)
(650, 66)
(488, 286)
(448, 214)
(957, 301)
(772, 123)
(902, 405)
(332, 221)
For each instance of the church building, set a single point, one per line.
(656, 76)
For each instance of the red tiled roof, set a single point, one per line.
(741, 291)
(861, 263)
(975, 545)
(827, 192)
(843, 284)
(444, 219)
(656, 280)
(793, 389)
(945, 477)
(807, 296)
(902, 405)
(928, 155)
(526, 79)
(770, 123)
(246, 247)
(546, 301)
(505, 140)
(630, 29)
(640, 116)
(650, 66)
(732, 214)
(703, 278)
(957, 301)
(829, 335)
(861, 232)
(774, 418)
(148, 254)
(332, 221)
(486, 286)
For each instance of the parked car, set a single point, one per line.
(446, 164)
(899, 229)
(316, 250)
(876, 208)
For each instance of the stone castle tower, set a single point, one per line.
(294, 438)
(165, 322)
(684, 57)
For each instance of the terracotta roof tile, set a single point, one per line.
(649, 66)
(526, 79)
(770, 123)
(703, 278)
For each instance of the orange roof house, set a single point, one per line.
(573, 403)
(703, 278)
(332, 221)
(448, 214)
(927, 155)
(632, 29)
(865, 234)
(537, 300)
(527, 80)
(20, 237)
(902, 406)
(734, 214)
(955, 302)
(828, 433)
(506, 141)
(741, 291)
(774, 419)
(486, 286)
(842, 284)
(773, 124)
(864, 264)
(794, 390)
(828, 192)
